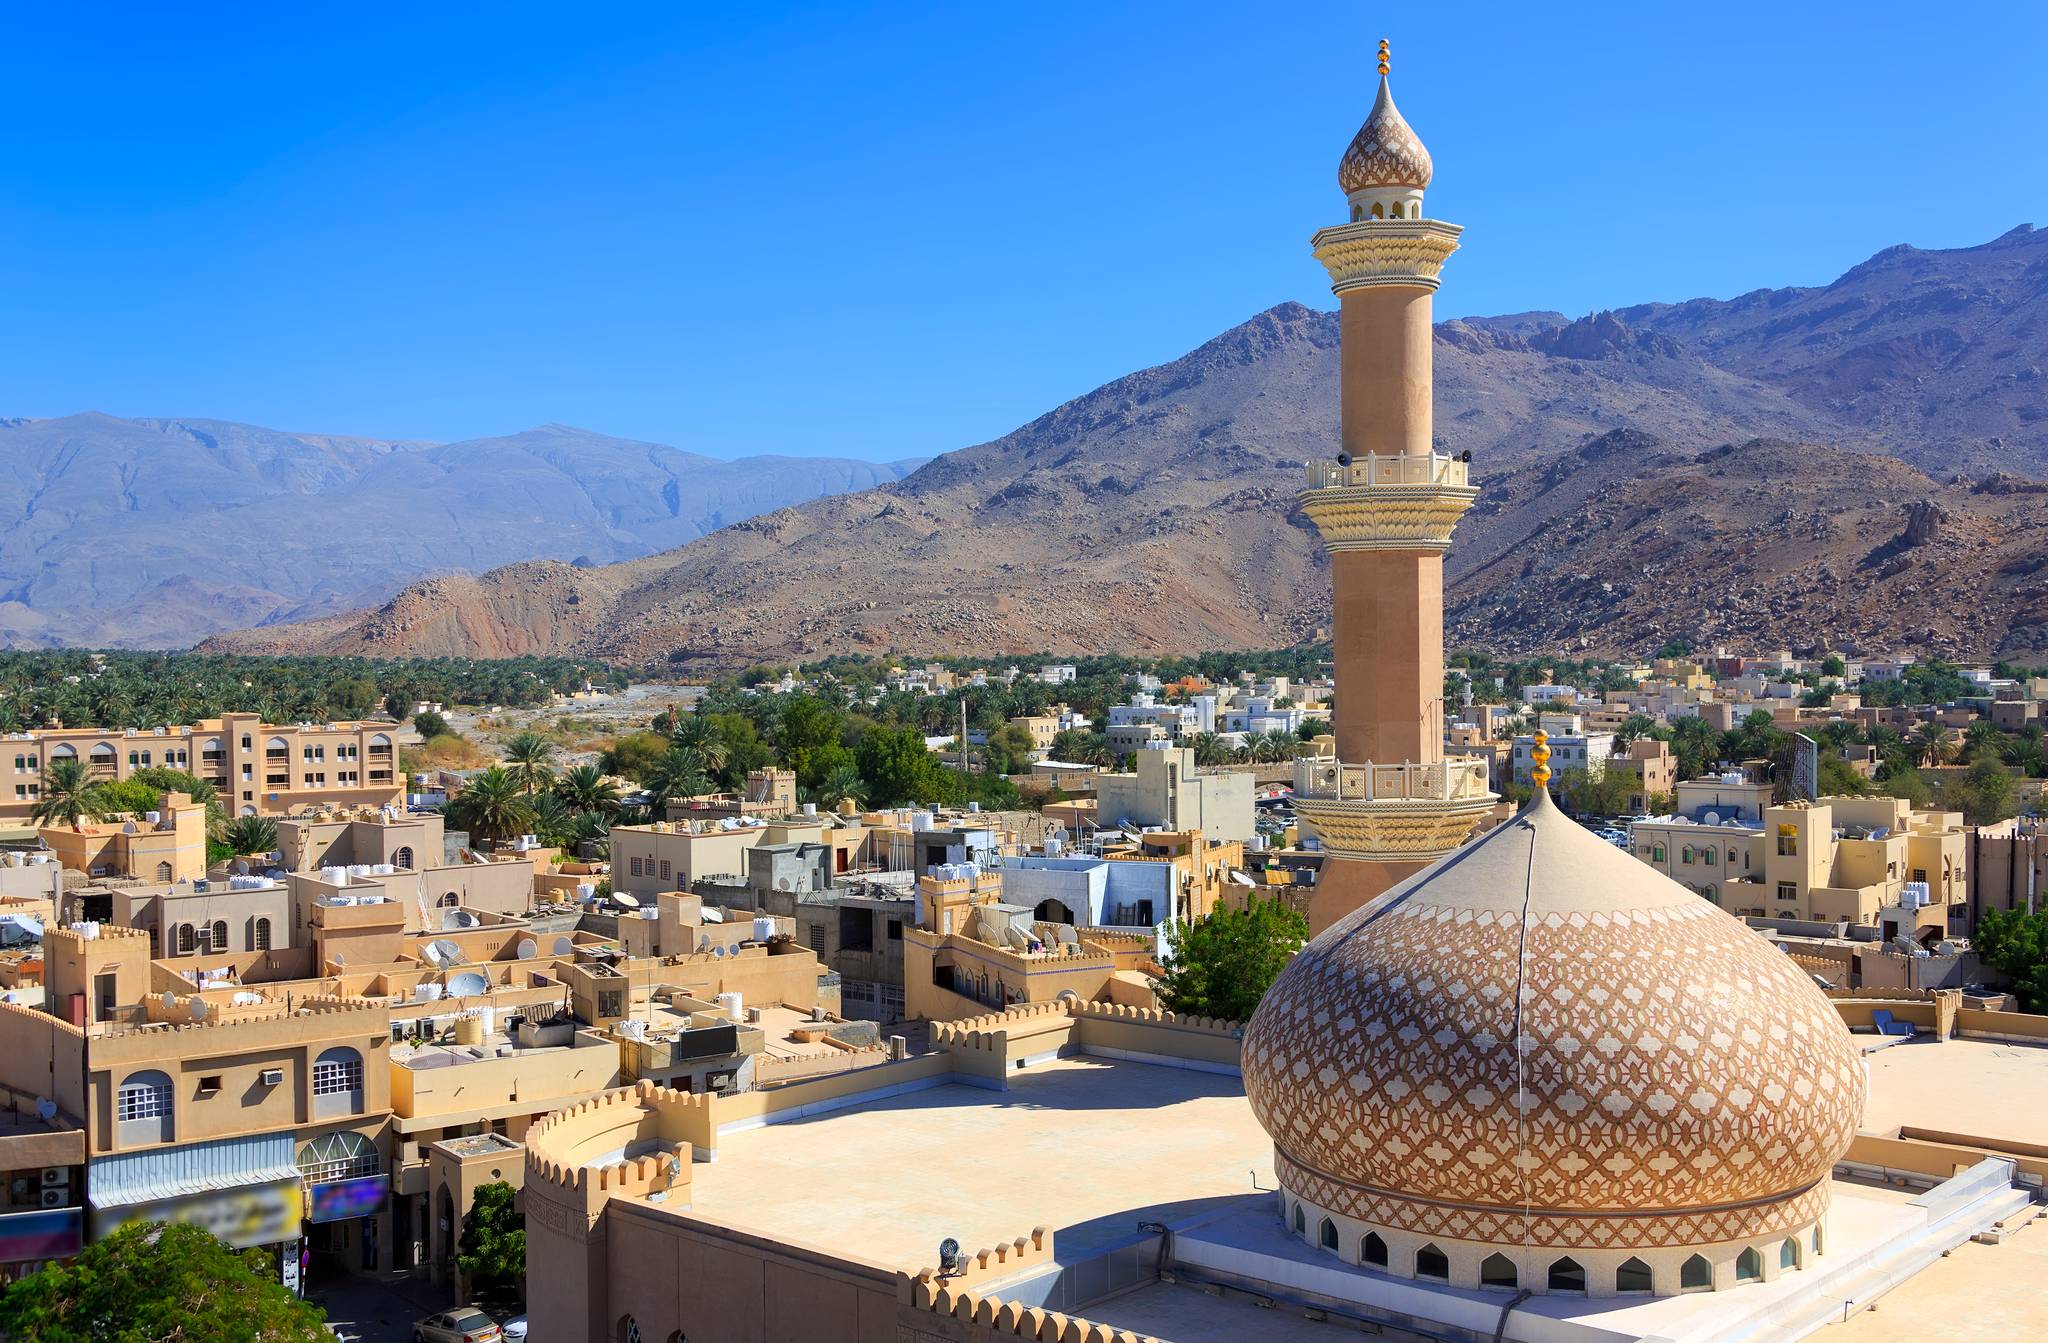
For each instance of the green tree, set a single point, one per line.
(679, 773)
(1984, 794)
(739, 739)
(898, 768)
(1222, 965)
(1077, 746)
(1009, 749)
(810, 734)
(492, 806)
(150, 1281)
(70, 794)
(633, 755)
(354, 697)
(492, 1250)
(698, 733)
(1832, 665)
(250, 834)
(430, 725)
(528, 759)
(2014, 942)
(585, 788)
(1935, 743)
(840, 784)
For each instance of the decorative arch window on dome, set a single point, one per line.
(1430, 1262)
(1497, 1270)
(1634, 1276)
(1749, 1265)
(1567, 1275)
(1326, 1234)
(1300, 1221)
(1695, 1274)
(1816, 1238)
(1372, 1250)
(1788, 1253)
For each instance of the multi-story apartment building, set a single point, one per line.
(258, 768)
(1864, 860)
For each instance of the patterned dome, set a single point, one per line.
(1386, 152)
(1684, 1082)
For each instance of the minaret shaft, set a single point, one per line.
(1386, 374)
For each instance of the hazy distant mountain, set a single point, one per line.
(157, 532)
(1157, 511)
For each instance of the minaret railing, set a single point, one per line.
(1388, 469)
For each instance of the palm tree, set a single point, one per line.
(70, 795)
(1209, 749)
(680, 773)
(591, 828)
(527, 758)
(250, 834)
(699, 734)
(840, 783)
(1982, 740)
(1935, 743)
(585, 788)
(552, 819)
(491, 806)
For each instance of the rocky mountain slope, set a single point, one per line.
(149, 532)
(1637, 465)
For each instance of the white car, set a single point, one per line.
(515, 1328)
(465, 1324)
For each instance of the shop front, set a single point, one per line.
(29, 1240)
(245, 1191)
(346, 1193)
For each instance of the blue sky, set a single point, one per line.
(886, 230)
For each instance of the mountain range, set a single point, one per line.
(149, 532)
(1856, 464)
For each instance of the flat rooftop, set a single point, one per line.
(1983, 1088)
(1084, 1146)
(1979, 1291)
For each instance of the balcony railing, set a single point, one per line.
(1398, 469)
(1450, 781)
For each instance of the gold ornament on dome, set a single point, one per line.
(1386, 152)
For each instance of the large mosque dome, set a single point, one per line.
(1542, 1045)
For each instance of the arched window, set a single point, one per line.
(1749, 1265)
(1788, 1254)
(1695, 1274)
(403, 858)
(1497, 1270)
(1327, 1234)
(1300, 1221)
(103, 754)
(629, 1330)
(337, 1082)
(164, 872)
(1372, 1250)
(142, 1108)
(1053, 911)
(1566, 1275)
(1379, 211)
(1709, 860)
(1430, 1262)
(1816, 1238)
(188, 941)
(1634, 1276)
(220, 934)
(63, 751)
(450, 900)
(259, 935)
(339, 1156)
(1685, 854)
(1657, 853)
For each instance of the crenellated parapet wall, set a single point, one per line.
(931, 1295)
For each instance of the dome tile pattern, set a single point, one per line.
(1386, 152)
(1542, 1036)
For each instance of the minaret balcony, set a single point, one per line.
(1452, 780)
(1391, 813)
(1396, 501)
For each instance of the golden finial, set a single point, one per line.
(1540, 753)
(1383, 55)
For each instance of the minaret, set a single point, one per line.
(1388, 804)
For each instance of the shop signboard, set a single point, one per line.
(244, 1217)
(341, 1200)
(41, 1233)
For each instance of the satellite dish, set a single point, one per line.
(46, 1109)
(527, 949)
(465, 919)
(623, 899)
(241, 867)
(468, 984)
(718, 951)
(949, 1256)
(431, 954)
(564, 946)
(198, 1005)
(1712, 818)
(451, 954)
(169, 1000)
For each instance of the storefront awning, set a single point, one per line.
(180, 1172)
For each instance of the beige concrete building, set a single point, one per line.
(258, 768)
(168, 844)
(1166, 790)
(1864, 860)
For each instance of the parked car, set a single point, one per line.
(515, 1329)
(466, 1324)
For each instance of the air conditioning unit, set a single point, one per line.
(56, 1198)
(56, 1177)
(273, 1077)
